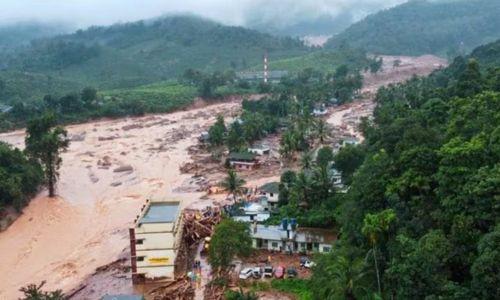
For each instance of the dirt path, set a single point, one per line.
(63, 240)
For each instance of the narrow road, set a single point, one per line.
(206, 271)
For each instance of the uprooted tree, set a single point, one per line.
(44, 143)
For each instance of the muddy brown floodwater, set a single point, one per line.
(63, 240)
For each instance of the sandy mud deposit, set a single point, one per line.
(108, 172)
(346, 118)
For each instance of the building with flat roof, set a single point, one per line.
(292, 238)
(154, 241)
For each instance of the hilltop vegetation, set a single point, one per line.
(133, 54)
(422, 212)
(445, 28)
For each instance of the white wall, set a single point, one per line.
(160, 240)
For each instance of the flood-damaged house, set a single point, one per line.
(351, 140)
(204, 137)
(252, 212)
(271, 191)
(259, 149)
(289, 237)
(243, 160)
(154, 241)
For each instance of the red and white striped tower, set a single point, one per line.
(266, 74)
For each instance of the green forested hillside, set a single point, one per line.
(421, 219)
(133, 54)
(445, 28)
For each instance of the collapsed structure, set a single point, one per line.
(154, 241)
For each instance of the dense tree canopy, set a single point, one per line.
(230, 239)
(423, 204)
(20, 177)
(44, 143)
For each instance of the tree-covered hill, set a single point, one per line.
(132, 54)
(418, 27)
(421, 219)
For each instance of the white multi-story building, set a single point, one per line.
(293, 239)
(154, 241)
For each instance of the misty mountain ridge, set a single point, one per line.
(137, 53)
(446, 28)
(22, 33)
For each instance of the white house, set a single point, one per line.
(271, 191)
(319, 111)
(350, 141)
(259, 149)
(292, 239)
(253, 212)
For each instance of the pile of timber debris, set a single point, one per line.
(197, 225)
(180, 289)
(214, 292)
(200, 224)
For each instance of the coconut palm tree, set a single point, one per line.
(341, 275)
(321, 130)
(374, 227)
(233, 184)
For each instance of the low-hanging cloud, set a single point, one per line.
(83, 13)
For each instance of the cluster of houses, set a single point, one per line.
(287, 237)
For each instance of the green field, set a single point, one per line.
(325, 61)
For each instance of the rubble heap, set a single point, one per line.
(180, 289)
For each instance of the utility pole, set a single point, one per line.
(266, 68)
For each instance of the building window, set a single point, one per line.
(139, 242)
(327, 249)
(140, 258)
(274, 244)
(272, 195)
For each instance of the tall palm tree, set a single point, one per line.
(374, 226)
(321, 130)
(302, 189)
(341, 275)
(233, 184)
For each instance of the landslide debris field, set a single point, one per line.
(109, 171)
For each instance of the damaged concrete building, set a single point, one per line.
(154, 241)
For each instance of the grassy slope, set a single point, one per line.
(326, 61)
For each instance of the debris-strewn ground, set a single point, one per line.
(64, 240)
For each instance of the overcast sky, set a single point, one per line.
(83, 13)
